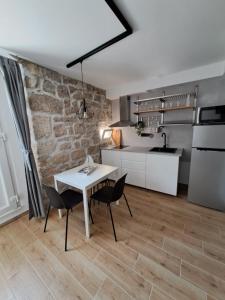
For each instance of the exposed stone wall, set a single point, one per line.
(60, 140)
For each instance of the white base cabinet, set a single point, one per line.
(152, 171)
(112, 158)
(162, 173)
(134, 165)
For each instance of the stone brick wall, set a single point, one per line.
(60, 140)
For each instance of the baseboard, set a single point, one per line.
(12, 216)
(183, 186)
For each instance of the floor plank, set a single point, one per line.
(156, 294)
(176, 235)
(80, 266)
(206, 236)
(5, 292)
(170, 262)
(20, 234)
(206, 281)
(195, 258)
(21, 279)
(214, 252)
(58, 279)
(167, 281)
(111, 291)
(170, 249)
(119, 250)
(130, 281)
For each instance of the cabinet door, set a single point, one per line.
(134, 177)
(131, 156)
(106, 157)
(134, 165)
(162, 173)
(112, 158)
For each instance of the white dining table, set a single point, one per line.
(84, 182)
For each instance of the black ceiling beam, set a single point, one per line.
(128, 31)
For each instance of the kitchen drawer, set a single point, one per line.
(134, 165)
(134, 177)
(133, 156)
(111, 158)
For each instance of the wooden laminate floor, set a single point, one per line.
(170, 249)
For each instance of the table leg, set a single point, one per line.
(56, 187)
(86, 213)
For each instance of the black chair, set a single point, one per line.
(66, 200)
(108, 194)
(104, 182)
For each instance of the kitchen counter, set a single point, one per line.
(144, 168)
(144, 150)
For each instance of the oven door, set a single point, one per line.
(211, 115)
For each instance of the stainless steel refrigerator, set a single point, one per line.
(207, 173)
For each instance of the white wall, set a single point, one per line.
(186, 76)
(14, 154)
(211, 92)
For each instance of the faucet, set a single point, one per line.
(164, 135)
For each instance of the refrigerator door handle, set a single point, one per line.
(210, 149)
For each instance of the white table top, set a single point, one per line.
(83, 181)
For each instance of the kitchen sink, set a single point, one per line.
(163, 150)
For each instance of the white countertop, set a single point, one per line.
(145, 150)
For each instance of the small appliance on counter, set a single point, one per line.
(207, 173)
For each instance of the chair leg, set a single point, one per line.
(46, 220)
(67, 216)
(90, 214)
(112, 221)
(127, 205)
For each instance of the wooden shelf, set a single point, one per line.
(164, 109)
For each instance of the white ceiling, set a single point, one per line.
(169, 36)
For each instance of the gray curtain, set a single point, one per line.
(14, 83)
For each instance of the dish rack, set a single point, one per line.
(165, 105)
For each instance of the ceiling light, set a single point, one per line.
(82, 114)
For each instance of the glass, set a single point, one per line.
(142, 108)
(188, 100)
(167, 104)
(150, 107)
(157, 105)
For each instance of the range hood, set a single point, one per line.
(124, 113)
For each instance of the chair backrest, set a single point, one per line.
(118, 188)
(55, 199)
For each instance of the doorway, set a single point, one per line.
(13, 191)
